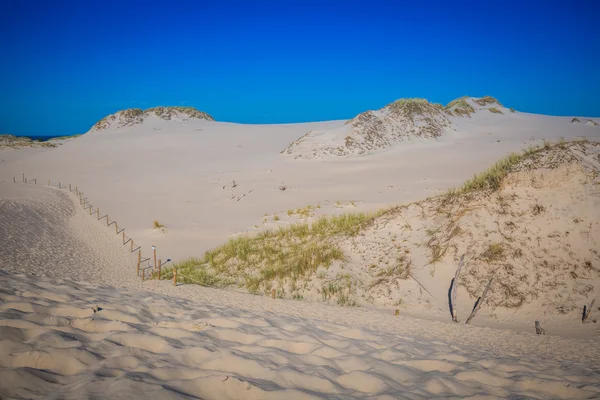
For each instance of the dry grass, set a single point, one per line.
(494, 110)
(281, 255)
(459, 107)
(158, 225)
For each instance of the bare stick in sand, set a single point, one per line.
(123, 232)
(106, 219)
(587, 310)
(116, 228)
(98, 211)
(76, 190)
(14, 180)
(175, 277)
(479, 302)
(452, 293)
(131, 249)
(59, 185)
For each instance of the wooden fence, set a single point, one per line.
(150, 271)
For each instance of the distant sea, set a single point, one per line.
(41, 138)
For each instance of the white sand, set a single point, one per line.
(145, 345)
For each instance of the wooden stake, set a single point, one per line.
(106, 219)
(587, 310)
(131, 250)
(98, 211)
(123, 232)
(159, 268)
(90, 210)
(14, 180)
(154, 257)
(453, 291)
(143, 275)
(25, 180)
(59, 185)
(479, 302)
(76, 190)
(116, 227)
(175, 277)
(139, 261)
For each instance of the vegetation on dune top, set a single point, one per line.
(485, 100)
(491, 179)
(494, 110)
(414, 106)
(459, 107)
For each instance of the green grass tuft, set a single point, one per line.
(284, 255)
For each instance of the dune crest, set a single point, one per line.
(136, 116)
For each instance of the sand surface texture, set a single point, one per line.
(143, 345)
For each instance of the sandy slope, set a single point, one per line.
(144, 345)
(182, 173)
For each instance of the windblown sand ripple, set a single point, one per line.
(143, 345)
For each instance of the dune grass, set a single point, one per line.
(494, 110)
(158, 225)
(284, 255)
(460, 107)
(486, 100)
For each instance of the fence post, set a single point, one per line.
(154, 249)
(106, 219)
(131, 250)
(143, 275)
(139, 261)
(76, 190)
(159, 268)
(174, 276)
(98, 211)
(14, 180)
(116, 227)
(59, 185)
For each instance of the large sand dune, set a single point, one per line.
(208, 181)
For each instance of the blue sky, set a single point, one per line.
(66, 64)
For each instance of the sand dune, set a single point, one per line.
(145, 345)
(208, 181)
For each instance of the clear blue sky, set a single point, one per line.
(66, 64)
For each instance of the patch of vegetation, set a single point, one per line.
(303, 212)
(486, 100)
(494, 110)
(15, 142)
(575, 121)
(512, 110)
(158, 225)
(460, 107)
(415, 106)
(494, 252)
(284, 255)
(538, 209)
